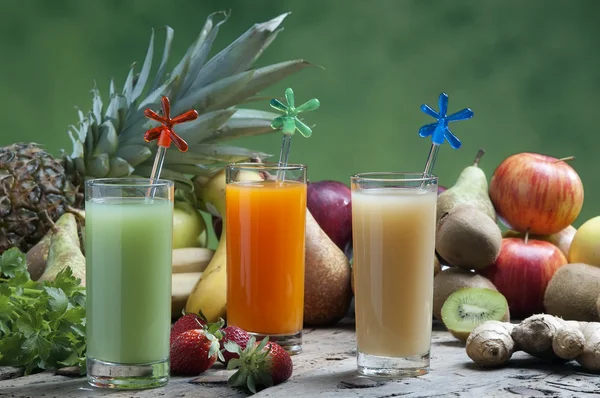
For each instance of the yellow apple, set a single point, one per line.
(189, 228)
(585, 247)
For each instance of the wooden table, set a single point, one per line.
(327, 368)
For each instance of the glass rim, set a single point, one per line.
(128, 182)
(394, 176)
(266, 165)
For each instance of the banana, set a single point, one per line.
(191, 259)
(181, 286)
(210, 293)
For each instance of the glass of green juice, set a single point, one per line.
(128, 248)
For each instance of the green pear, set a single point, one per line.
(470, 189)
(65, 250)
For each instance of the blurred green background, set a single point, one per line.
(530, 70)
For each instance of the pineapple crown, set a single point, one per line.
(289, 122)
(108, 141)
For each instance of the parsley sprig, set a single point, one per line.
(42, 324)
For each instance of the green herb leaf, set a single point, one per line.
(42, 324)
(58, 301)
(13, 262)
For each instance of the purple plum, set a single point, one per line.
(329, 202)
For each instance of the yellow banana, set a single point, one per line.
(210, 293)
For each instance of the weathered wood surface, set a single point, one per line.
(327, 368)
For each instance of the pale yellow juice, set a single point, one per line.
(394, 243)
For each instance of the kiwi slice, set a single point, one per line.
(469, 307)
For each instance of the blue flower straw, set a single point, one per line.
(439, 130)
(289, 123)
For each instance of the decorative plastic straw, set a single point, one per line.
(289, 123)
(165, 135)
(439, 130)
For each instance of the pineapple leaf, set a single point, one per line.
(213, 95)
(98, 166)
(119, 168)
(193, 169)
(265, 77)
(145, 72)
(111, 88)
(244, 123)
(134, 154)
(97, 106)
(201, 49)
(198, 130)
(108, 141)
(128, 86)
(181, 181)
(165, 58)
(117, 102)
(78, 150)
(241, 54)
(205, 153)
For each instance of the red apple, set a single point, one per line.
(329, 202)
(522, 272)
(561, 239)
(535, 192)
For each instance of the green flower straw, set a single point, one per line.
(289, 123)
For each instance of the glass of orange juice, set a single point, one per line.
(264, 227)
(393, 228)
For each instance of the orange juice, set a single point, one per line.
(265, 225)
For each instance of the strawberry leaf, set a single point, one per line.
(251, 384)
(233, 347)
(234, 363)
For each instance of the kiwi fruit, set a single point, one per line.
(572, 293)
(469, 307)
(450, 280)
(468, 238)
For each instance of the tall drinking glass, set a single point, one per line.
(128, 243)
(393, 226)
(265, 226)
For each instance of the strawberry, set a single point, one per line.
(194, 351)
(238, 336)
(187, 322)
(259, 365)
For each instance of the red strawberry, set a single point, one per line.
(238, 336)
(194, 351)
(260, 365)
(187, 322)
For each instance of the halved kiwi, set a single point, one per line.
(467, 308)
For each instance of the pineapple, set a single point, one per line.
(108, 140)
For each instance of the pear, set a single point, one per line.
(65, 250)
(37, 256)
(327, 280)
(470, 189)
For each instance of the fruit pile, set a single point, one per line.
(540, 267)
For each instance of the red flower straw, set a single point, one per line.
(165, 134)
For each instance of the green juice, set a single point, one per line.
(128, 253)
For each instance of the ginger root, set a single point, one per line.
(492, 343)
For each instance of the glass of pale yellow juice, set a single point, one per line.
(393, 226)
